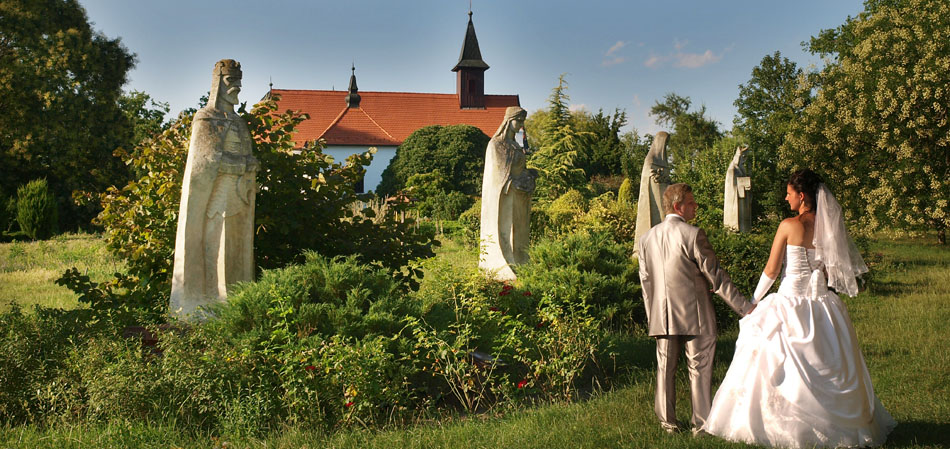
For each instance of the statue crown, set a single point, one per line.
(227, 67)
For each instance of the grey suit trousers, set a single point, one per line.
(700, 351)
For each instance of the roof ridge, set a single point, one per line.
(377, 124)
(334, 122)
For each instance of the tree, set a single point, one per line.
(605, 147)
(768, 104)
(561, 152)
(59, 88)
(457, 151)
(691, 144)
(878, 127)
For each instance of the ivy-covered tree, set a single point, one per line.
(60, 118)
(456, 151)
(878, 127)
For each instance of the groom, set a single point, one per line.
(678, 270)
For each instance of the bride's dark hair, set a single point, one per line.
(806, 181)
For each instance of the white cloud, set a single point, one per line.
(617, 46)
(577, 107)
(654, 61)
(636, 100)
(683, 59)
(695, 60)
(611, 57)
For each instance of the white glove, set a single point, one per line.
(765, 283)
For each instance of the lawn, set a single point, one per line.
(903, 323)
(28, 269)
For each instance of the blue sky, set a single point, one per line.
(617, 54)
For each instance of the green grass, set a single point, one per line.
(903, 323)
(28, 269)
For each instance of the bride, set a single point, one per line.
(798, 378)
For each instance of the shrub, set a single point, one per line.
(627, 193)
(471, 223)
(743, 256)
(33, 349)
(36, 210)
(565, 210)
(588, 267)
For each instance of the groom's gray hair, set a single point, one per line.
(675, 194)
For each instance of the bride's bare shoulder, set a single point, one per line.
(794, 230)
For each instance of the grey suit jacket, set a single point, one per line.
(677, 267)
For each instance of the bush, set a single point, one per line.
(34, 348)
(565, 210)
(627, 194)
(588, 267)
(471, 223)
(36, 210)
(743, 256)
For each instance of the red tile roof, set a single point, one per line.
(384, 118)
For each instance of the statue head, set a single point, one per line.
(739, 158)
(225, 84)
(514, 118)
(658, 148)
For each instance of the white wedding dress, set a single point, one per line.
(798, 379)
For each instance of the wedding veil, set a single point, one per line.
(834, 247)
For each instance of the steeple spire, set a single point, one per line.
(470, 71)
(353, 98)
(470, 56)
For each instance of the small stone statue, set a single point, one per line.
(737, 202)
(506, 200)
(654, 179)
(214, 246)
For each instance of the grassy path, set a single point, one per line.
(903, 324)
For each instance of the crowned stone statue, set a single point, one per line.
(214, 246)
(737, 202)
(654, 179)
(507, 186)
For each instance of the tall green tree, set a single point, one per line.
(561, 153)
(768, 105)
(605, 147)
(60, 82)
(878, 127)
(456, 151)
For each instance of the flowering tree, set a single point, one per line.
(878, 126)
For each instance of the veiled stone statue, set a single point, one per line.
(214, 246)
(654, 179)
(506, 200)
(737, 203)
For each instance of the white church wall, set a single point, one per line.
(374, 173)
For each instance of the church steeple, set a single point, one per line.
(470, 78)
(353, 98)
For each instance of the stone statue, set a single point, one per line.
(214, 247)
(737, 203)
(654, 179)
(506, 199)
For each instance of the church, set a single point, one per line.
(351, 121)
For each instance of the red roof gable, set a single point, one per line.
(384, 118)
